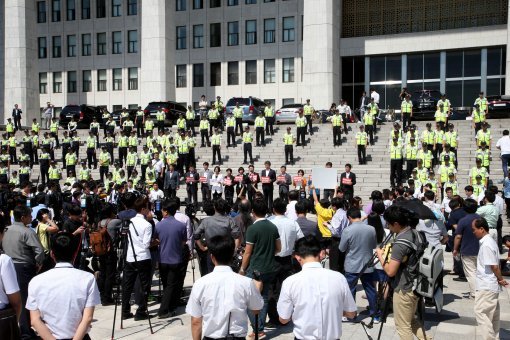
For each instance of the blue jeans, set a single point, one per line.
(267, 280)
(367, 280)
(505, 159)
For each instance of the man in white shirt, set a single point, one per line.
(290, 212)
(139, 262)
(62, 301)
(156, 193)
(157, 164)
(315, 298)
(503, 145)
(374, 95)
(488, 282)
(219, 301)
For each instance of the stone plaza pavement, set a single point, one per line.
(456, 321)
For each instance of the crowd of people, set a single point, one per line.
(261, 259)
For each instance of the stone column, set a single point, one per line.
(157, 78)
(21, 79)
(321, 52)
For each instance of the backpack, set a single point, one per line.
(100, 241)
(427, 265)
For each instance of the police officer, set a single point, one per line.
(54, 173)
(190, 119)
(145, 158)
(131, 160)
(160, 119)
(216, 147)
(484, 154)
(44, 164)
(308, 111)
(204, 131)
(35, 146)
(140, 122)
(127, 125)
(123, 147)
(192, 143)
(54, 130)
(27, 146)
(478, 170)
(407, 112)
(12, 148)
(425, 155)
(231, 134)
(238, 115)
(411, 153)
(110, 126)
(373, 110)
(361, 144)
(149, 126)
(84, 173)
(447, 106)
(221, 108)
(75, 143)
(440, 116)
(451, 138)
(104, 162)
(478, 117)
(213, 116)
(368, 120)
(336, 122)
(94, 128)
(260, 123)
(105, 118)
(301, 129)
(482, 103)
(289, 140)
(269, 115)
(71, 160)
(91, 150)
(110, 144)
(181, 123)
(24, 172)
(9, 127)
(247, 145)
(395, 163)
(183, 152)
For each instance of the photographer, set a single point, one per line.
(219, 301)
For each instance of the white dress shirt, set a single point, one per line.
(216, 183)
(316, 299)
(61, 295)
(156, 195)
(499, 203)
(289, 232)
(183, 218)
(504, 144)
(375, 96)
(488, 256)
(291, 210)
(339, 222)
(141, 234)
(8, 281)
(219, 294)
(158, 165)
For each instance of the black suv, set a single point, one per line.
(84, 114)
(172, 111)
(425, 103)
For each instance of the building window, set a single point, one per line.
(57, 82)
(251, 72)
(116, 8)
(215, 74)
(57, 46)
(215, 35)
(250, 2)
(288, 70)
(287, 101)
(233, 73)
(71, 45)
(198, 75)
(117, 42)
(269, 29)
(269, 71)
(71, 10)
(181, 37)
(55, 10)
(87, 81)
(43, 83)
(71, 81)
(288, 29)
(198, 4)
(101, 44)
(132, 78)
(117, 79)
(42, 47)
(132, 7)
(214, 3)
(132, 41)
(85, 9)
(233, 2)
(101, 80)
(180, 76)
(101, 8)
(198, 36)
(251, 32)
(180, 5)
(41, 12)
(233, 33)
(86, 44)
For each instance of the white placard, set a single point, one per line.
(324, 178)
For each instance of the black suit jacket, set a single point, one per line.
(344, 183)
(16, 113)
(171, 181)
(271, 174)
(367, 101)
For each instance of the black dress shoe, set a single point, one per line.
(141, 316)
(460, 279)
(126, 316)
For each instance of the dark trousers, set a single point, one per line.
(395, 172)
(362, 154)
(170, 278)
(300, 132)
(91, 157)
(57, 143)
(122, 155)
(267, 281)
(229, 194)
(406, 120)
(44, 173)
(183, 163)
(289, 154)
(507, 202)
(24, 273)
(284, 271)
(12, 155)
(132, 270)
(499, 229)
(191, 157)
(309, 123)
(190, 125)
(206, 192)
(239, 125)
(337, 135)
(139, 128)
(205, 138)
(170, 192)
(103, 171)
(370, 131)
(143, 170)
(192, 192)
(247, 149)
(329, 193)
(161, 125)
(336, 257)
(411, 164)
(437, 152)
(231, 136)
(216, 195)
(267, 190)
(260, 137)
(216, 152)
(213, 123)
(108, 269)
(269, 125)
(17, 123)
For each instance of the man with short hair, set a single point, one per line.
(503, 144)
(491, 213)
(347, 182)
(219, 301)
(62, 301)
(315, 298)
(293, 199)
(307, 226)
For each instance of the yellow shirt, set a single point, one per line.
(323, 215)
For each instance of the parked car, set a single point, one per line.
(499, 106)
(425, 103)
(172, 111)
(83, 113)
(251, 107)
(116, 115)
(288, 113)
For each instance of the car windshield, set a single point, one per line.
(156, 105)
(241, 101)
(292, 106)
(71, 108)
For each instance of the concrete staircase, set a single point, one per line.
(319, 150)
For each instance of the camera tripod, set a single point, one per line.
(125, 234)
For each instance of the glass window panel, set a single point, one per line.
(394, 68)
(117, 79)
(269, 71)
(132, 78)
(251, 32)
(359, 70)
(377, 69)
(215, 34)
(287, 101)
(215, 74)
(453, 64)
(392, 96)
(472, 63)
(493, 87)
(71, 81)
(43, 83)
(503, 60)
(101, 80)
(180, 76)
(233, 33)
(413, 87)
(414, 66)
(347, 76)
(431, 66)
(132, 7)
(288, 29)
(233, 73)
(198, 75)
(454, 92)
(380, 89)
(471, 91)
(493, 61)
(269, 30)
(288, 70)
(348, 94)
(251, 72)
(87, 81)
